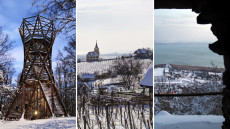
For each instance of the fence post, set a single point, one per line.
(130, 121)
(84, 119)
(121, 114)
(107, 116)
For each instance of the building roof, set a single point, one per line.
(92, 54)
(141, 51)
(147, 81)
(88, 76)
(85, 85)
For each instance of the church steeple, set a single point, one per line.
(96, 44)
(96, 49)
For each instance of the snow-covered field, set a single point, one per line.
(55, 123)
(101, 66)
(91, 67)
(164, 120)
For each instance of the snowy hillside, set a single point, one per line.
(56, 123)
(183, 80)
(164, 120)
(101, 66)
(91, 67)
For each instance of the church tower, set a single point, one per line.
(96, 49)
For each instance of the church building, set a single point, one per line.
(94, 55)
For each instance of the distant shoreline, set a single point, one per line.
(179, 43)
(193, 68)
(82, 57)
(187, 54)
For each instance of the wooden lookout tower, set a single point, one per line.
(37, 96)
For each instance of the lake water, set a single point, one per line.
(196, 54)
(104, 56)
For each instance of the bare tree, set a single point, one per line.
(129, 70)
(5, 47)
(58, 77)
(68, 61)
(70, 49)
(9, 73)
(65, 73)
(5, 59)
(6, 66)
(150, 53)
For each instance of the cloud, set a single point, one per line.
(174, 17)
(180, 26)
(118, 25)
(120, 7)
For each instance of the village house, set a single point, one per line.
(147, 81)
(143, 54)
(86, 77)
(94, 55)
(83, 88)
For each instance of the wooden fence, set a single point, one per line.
(108, 112)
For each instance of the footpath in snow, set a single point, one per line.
(56, 123)
(164, 120)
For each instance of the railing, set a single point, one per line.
(188, 94)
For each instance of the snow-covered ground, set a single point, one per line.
(55, 123)
(164, 120)
(170, 80)
(185, 77)
(91, 67)
(160, 71)
(117, 118)
(102, 66)
(108, 81)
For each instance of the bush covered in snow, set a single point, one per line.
(6, 94)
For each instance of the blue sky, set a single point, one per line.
(117, 25)
(11, 14)
(173, 25)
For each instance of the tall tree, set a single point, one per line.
(58, 77)
(65, 74)
(9, 72)
(6, 70)
(5, 59)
